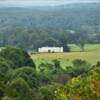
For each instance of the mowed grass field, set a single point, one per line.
(91, 54)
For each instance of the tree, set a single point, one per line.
(79, 63)
(7, 98)
(18, 56)
(46, 67)
(66, 48)
(63, 42)
(81, 45)
(57, 64)
(80, 67)
(51, 42)
(82, 39)
(18, 89)
(81, 88)
(28, 74)
(5, 65)
(2, 85)
(47, 93)
(4, 68)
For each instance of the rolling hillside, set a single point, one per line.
(71, 16)
(26, 27)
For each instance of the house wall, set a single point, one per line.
(50, 49)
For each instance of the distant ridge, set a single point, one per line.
(63, 16)
(27, 5)
(49, 21)
(71, 5)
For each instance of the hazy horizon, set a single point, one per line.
(29, 3)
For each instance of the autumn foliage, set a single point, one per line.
(86, 87)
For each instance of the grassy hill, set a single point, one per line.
(91, 54)
(88, 47)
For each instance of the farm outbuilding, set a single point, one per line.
(50, 49)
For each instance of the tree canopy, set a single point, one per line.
(17, 56)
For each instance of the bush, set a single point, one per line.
(98, 64)
(61, 78)
(48, 91)
(79, 67)
(44, 79)
(79, 63)
(46, 67)
(56, 64)
(7, 98)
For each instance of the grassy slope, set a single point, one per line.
(91, 54)
(88, 47)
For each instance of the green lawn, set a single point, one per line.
(91, 54)
(88, 47)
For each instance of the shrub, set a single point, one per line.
(48, 91)
(79, 67)
(7, 98)
(46, 67)
(61, 78)
(56, 64)
(79, 63)
(44, 79)
(98, 64)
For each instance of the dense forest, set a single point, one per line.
(30, 28)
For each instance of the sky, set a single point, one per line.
(26, 3)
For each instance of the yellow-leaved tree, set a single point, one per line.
(86, 87)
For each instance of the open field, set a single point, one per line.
(88, 47)
(67, 58)
(91, 54)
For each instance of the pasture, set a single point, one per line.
(91, 54)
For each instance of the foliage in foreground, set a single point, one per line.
(81, 88)
(49, 81)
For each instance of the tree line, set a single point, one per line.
(30, 28)
(32, 39)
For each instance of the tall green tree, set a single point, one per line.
(18, 89)
(26, 73)
(18, 56)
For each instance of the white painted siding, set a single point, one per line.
(50, 49)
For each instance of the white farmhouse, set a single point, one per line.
(50, 49)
